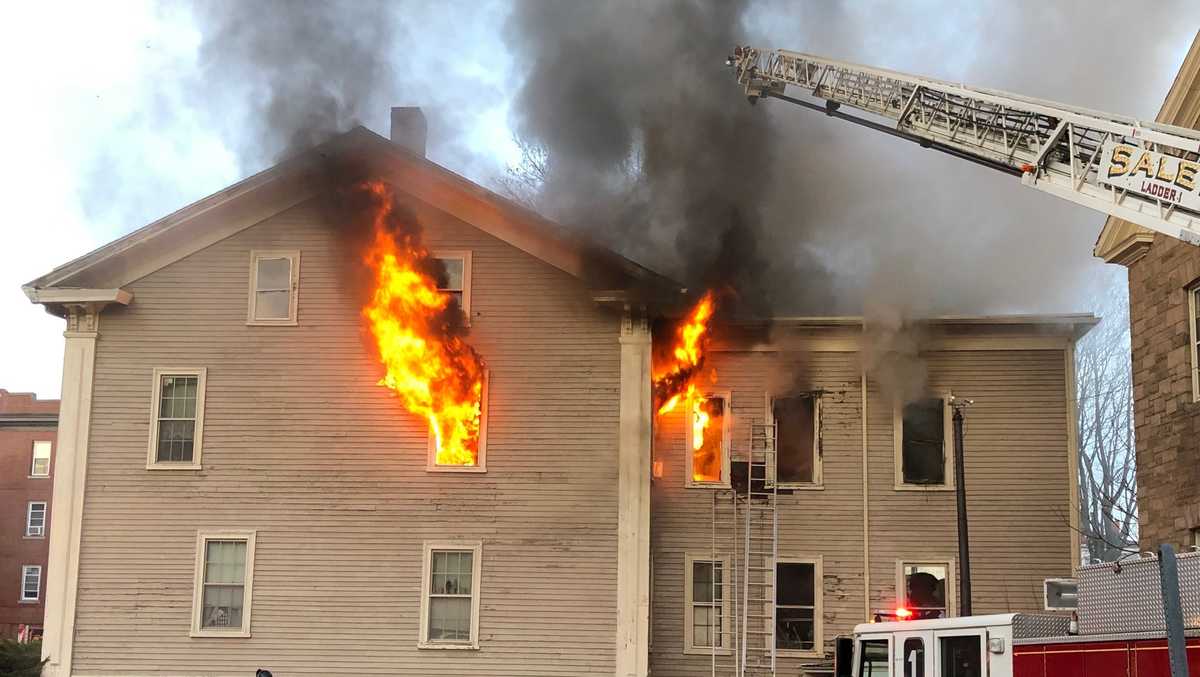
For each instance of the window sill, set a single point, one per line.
(456, 468)
(29, 601)
(801, 486)
(701, 651)
(707, 485)
(924, 487)
(235, 634)
(38, 477)
(799, 653)
(474, 646)
(174, 466)
(34, 538)
(272, 323)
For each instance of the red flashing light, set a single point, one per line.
(903, 614)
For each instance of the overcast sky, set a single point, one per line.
(113, 120)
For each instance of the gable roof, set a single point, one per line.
(101, 273)
(1121, 241)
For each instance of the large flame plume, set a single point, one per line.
(436, 375)
(674, 378)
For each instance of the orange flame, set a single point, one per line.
(674, 380)
(707, 448)
(436, 375)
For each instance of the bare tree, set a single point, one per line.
(522, 182)
(1107, 461)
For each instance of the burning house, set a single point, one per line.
(379, 420)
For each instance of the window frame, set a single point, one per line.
(203, 536)
(817, 562)
(947, 445)
(29, 519)
(689, 647)
(726, 442)
(951, 582)
(818, 482)
(25, 569)
(465, 255)
(152, 462)
(431, 441)
(293, 257)
(427, 550)
(1193, 294)
(33, 459)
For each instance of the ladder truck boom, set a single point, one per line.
(1144, 172)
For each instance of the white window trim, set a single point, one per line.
(951, 584)
(947, 446)
(481, 465)
(152, 462)
(465, 255)
(202, 539)
(476, 547)
(818, 482)
(688, 598)
(818, 563)
(293, 255)
(1193, 293)
(33, 459)
(726, 446)
(25, 569)
(29, 518)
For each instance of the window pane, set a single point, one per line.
(795, 585)
(706, 582)
(274, 274)
(795, 629)
(708, 441)
(175, 440)
(222, 606)
(925, 586)
(451, 573)
(450, 619)
(225, 562)
(31, 583)
(794, 428)
(454, 274)
(914, 657)
(178, 397)
(923, 443)
(962, 656)
(706, 625)
(272, 305)
(874, 658)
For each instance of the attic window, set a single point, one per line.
(274, 283)
(458, 278)
(922, 461)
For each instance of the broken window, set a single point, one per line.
(923, 589)
(175, 432)
(458, 278)
(274, 278)
(224, 573)
(797, 445)
(470, 455)
(708, 439)
(450, 605)
(797, 605)
(923, 442)
(705, 606)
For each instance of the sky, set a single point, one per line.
(118, 115)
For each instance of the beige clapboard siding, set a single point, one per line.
(303, 446)
(1017, 474)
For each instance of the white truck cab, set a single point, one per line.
(972, 646)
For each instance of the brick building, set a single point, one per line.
(27, 439)
(1164, 296)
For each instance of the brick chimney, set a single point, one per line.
(409, 129)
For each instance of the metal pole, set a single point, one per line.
(1168, 580)
(960, 492)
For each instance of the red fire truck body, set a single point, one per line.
(1081, 657)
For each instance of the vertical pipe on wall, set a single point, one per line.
(866, 506)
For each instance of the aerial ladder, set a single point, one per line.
(1147, 173)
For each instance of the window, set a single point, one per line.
(31, 583)
(274, 286)
(914, 657)
(41, 459)
(798, 588)
(797, 442)
(926, 588)
(224, 579)
(962, 656)
(177, 418)
(1196, 538)
(707, 440)
(873, 658)
(471, 459)
(450, 601)
(1194, 334)
(35, 519)
(458, 278)
(922, 460)
(706, 606)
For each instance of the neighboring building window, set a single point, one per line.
(474, 457)
(1194, 342)
(1195, 538)
(450, 601)
(224, 582)
(925, 588)
(41, 459)
(274, 286)
(707, 440)
(798, 588)
(35, 519)
(922, 460)
(797, 442)
(962, 655)
(31, 583)
(706, 606)
(178, 418)
(458, 278)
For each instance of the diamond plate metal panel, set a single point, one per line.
(1026, 626)
(1125, 597)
